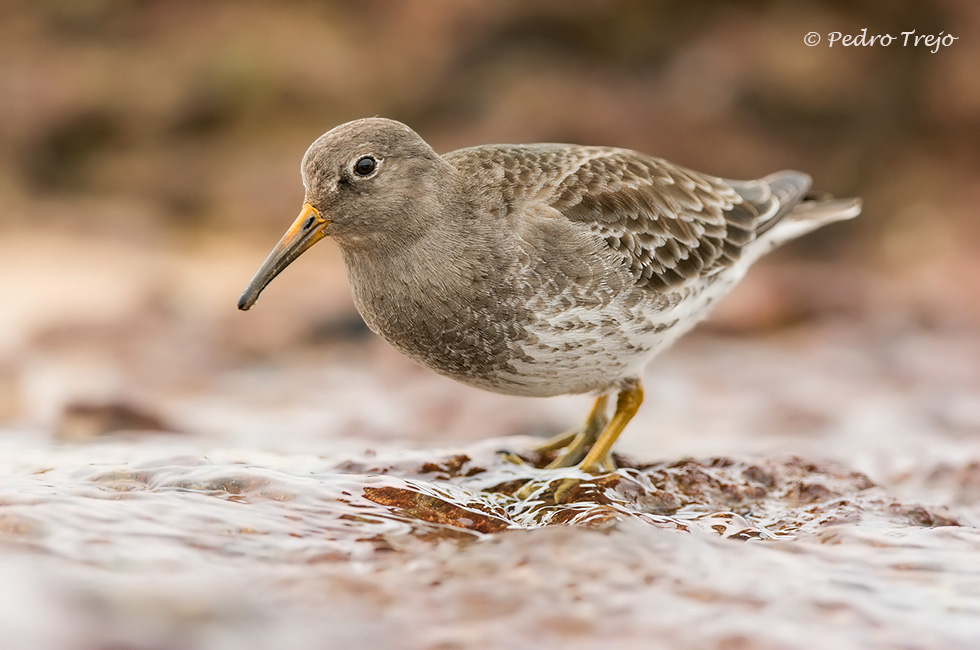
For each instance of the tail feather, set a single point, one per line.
(788, 189)
(808, 216)
(787, 208)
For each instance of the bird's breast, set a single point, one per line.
(467, 330)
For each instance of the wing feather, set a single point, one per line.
(669, 225)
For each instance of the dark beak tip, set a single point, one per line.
(297, 239)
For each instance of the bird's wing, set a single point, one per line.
(671, 225)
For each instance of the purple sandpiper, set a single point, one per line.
(540, 269)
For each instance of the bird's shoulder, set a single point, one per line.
(668, 224)
(515, 174)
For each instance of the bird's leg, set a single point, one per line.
(580, 440)
(560, 441)
(627, 403)
(599, 433)
(598, 459)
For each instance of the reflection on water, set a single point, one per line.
(194, 548)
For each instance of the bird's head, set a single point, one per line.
(368, 185)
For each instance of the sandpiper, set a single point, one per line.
(540, 269)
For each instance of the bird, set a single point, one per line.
(537, 269)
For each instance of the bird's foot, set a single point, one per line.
(576, 443)
(563, 490)
(549, 491)
(579, 455)
(510, 457)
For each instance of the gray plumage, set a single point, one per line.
(539, 269)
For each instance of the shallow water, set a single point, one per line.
(171, 542)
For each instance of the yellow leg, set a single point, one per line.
(582, 440)
(627, 403)
(578, 441)
(596, 420)
(596, 434)
(560, 441)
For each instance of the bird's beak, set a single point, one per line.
(307, 230)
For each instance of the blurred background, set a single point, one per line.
(149, 160)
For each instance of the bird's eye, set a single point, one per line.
(365, 166)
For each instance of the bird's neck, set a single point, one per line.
(433, 276)
(434, 261)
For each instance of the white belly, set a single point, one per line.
(592, 349)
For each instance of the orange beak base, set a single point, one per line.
(307, 230)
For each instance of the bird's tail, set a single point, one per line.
(787, 209)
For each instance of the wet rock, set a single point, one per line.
(435, 510)
(737, 498)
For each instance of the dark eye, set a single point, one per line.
(365, 166)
